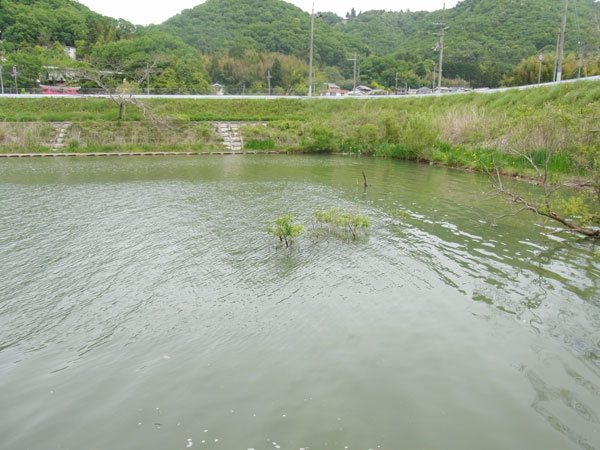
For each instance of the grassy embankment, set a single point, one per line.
(460, 130)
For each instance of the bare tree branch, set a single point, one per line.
(121, 93)
(549, 189)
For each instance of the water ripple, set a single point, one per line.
(133, 285)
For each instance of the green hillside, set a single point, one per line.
(43, 22)
(238, 42)
(505, 31)
(486, 39)
(488, 32)
(232, 26)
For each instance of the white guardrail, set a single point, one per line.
(274, 97)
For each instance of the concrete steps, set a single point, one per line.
(232, 137)
(62, 129)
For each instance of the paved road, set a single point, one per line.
(274, 97)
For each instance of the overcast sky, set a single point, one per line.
(144, 12)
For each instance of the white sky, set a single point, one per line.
(144, 12)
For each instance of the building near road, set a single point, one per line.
(333, 93)
(54, 74)
(219, 89)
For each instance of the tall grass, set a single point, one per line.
(144, 134)
(26, 137)
(463, 130)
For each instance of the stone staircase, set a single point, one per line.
(232, 137)
(62, 129)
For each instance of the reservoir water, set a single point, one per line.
(144, 306)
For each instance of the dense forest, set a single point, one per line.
(246, 45)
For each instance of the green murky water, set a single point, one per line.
(143, 306)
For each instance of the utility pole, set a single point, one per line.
(433, 82)
(354, 59)
(556, 55)
(581, 56)
(541, 58)
(396, 83)
(561, 50)
(269, 81)
(2, 61)
(148, 78)
(310, 60)
(442, 35)
(15, 73)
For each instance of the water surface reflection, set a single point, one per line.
(143, 305)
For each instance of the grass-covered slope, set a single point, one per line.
(458, 130)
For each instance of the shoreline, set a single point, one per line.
(226, 152)
(69, 154)
(574, 183)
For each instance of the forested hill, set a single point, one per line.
(261, 25)
(503, 31)
(43, 22)
(495, 33)
(238, 42)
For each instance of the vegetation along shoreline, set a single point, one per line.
(547, 135)
(471, 131)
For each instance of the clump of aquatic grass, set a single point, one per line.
(455, 156)
(337, 219)
(398, 151)
(285, 229)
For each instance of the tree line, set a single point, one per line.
(245, 45)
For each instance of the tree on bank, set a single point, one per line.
(573, 205)
(113, 81)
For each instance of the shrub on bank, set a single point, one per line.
(254, 144)
(320, 139)
(398, 151)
